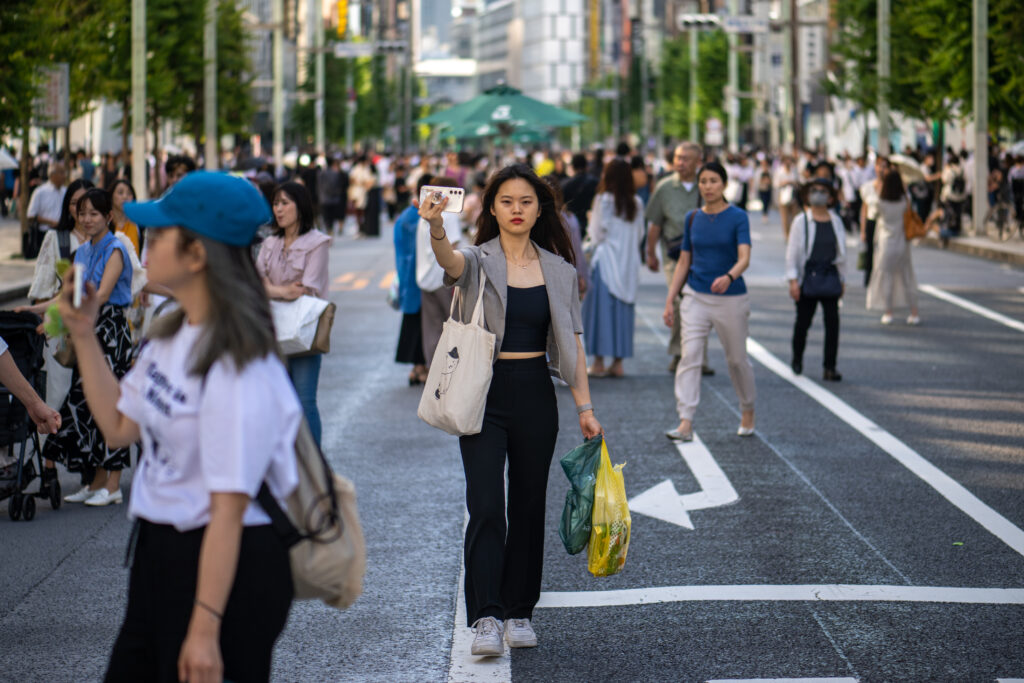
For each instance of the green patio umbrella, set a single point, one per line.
(470, 131)
(506, 109)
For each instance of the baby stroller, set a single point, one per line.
(16, 428)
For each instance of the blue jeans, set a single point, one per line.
(305, 374)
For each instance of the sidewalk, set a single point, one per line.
(1011, 251)
(15, 272)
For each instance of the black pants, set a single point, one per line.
(869, 249)
(161, 591)
(504, 565)
(805, 308)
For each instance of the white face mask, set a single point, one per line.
(817, 198)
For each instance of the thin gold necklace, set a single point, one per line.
(524, 266)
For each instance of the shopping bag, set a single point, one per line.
(295, 323)
(609, 537)
(455, 394)
(580, 466)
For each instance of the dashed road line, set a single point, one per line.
(973, 307)
(785, 680)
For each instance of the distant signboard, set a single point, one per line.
(350, 50)
(745, 23)
(52, 105)
(713, 135)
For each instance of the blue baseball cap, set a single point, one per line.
(215, 205)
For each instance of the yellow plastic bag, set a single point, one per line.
(609, 534)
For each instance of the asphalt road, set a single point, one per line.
(870, 531)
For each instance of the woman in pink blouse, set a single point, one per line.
(293, 262)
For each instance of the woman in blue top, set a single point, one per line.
(410, 336)
(715, 252)
(78, 444)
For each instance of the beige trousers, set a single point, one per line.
(675, 341)
(729, 316)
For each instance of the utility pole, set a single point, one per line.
(139, 99)
(979, 205)
(788, 77)
(694, 36)
(884, 59)
(210, 86)
(277, 19)
(318, 105)
(797, 102)
(732, 101)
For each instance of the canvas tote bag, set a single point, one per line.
(460, 374)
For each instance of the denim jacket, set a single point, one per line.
(563, 301)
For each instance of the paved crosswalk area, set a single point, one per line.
(870, 531)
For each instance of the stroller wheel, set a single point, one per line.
(28, 509)
(14, 507)
(55, 498)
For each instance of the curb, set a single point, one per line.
(13, 292)
(991, 253)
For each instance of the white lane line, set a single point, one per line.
(665, 503)
(783, 593)
(973, 307)
(785, 680)
(1011, 680)
(462, 666)
(949, 488)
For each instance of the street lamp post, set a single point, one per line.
(318, 106)
(210, 86)
(883, 76)
(979, 205)
(139, 99)
(277, 19)
(732, 101)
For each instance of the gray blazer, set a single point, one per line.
(563, 300)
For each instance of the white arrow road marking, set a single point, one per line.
(665, 503)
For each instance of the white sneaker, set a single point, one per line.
(105, 497)
(520, 633)
(913, 320)
(886, 319)
(84, 494)
(487, 642)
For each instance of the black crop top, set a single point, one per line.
(527, 318)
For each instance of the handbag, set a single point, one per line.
(821, 281)
(298, 324)
(322, 338)
(455, 393)
(786, 195)
(913, 226)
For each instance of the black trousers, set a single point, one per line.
(161, 591)
(805, 308)
(869, 250)
(504, 563)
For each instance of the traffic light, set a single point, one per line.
(390, 46)
(700, 22)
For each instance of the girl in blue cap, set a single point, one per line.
(210, 584)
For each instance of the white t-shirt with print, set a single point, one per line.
(227, 436)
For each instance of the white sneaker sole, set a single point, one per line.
(521, 643)
(486, 651)
(108, 501)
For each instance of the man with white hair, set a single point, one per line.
(48, 199)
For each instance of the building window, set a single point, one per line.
(554, 75)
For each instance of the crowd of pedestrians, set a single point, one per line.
(553, 245)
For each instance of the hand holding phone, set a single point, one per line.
(434, 194)
(79, 284)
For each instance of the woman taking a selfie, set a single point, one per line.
(210, 585)
(531, 304)
(714, 254)
(78, 444)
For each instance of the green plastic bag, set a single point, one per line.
(580, 466)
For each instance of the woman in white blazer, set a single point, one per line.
(816, 270)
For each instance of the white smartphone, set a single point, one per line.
(435, 193)
(76, 296)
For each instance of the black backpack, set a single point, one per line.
(959, 184)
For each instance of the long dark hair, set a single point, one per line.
(239, 325)
(67, 221)
(303, 203)
(892, 187)
(121, 181)
(548, 231)
(617, 179)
